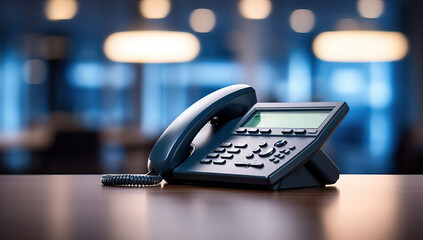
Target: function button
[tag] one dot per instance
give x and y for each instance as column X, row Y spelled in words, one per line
column 227, row 156
column 219, row 150
column 263, row 144
column 281, row 143
column 241, row 145
column 287, row 131
column 219, row 161
column 205, row 161
column 271, row 159
column 256, row 150
column 276, row 161
column 300, row 131
column 265, row 130
column 257, row 165
column 242, row 164
column 282, row 157
column 246, row 164
column 234, row 151
column 226, row 144
column 267, row 152
column 241, row 130
column 252, row 130
column 292, row 148
column 249, row 156
column 312, row 131
column 212, row 155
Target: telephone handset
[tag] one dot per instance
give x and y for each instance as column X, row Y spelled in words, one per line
column 228, row 139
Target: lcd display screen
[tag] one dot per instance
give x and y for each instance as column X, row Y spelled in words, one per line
column 287, row 119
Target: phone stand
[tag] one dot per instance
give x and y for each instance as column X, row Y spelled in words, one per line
column 318, row 171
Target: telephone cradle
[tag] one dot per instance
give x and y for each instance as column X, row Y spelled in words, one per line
column 228, row 139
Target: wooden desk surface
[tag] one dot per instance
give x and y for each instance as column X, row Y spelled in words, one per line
column 79, row 207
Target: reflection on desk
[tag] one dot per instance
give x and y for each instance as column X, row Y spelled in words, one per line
column 79, row 207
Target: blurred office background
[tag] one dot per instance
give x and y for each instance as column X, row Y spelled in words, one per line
column 78, row 95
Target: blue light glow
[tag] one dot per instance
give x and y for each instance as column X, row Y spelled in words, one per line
column 299, row 78
column 380, row 94
column 87, row 74
column 347, row 81
column 10, row 95
column 380, row 140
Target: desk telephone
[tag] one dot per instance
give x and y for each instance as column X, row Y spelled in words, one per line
column 228, row 139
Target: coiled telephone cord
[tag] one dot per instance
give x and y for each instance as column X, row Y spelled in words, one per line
column 131, row 179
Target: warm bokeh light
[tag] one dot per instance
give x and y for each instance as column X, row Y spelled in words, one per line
column 360, row 46
column 202, row 20
column 60, row 9
column 370, row 8
column 255, row 9
column 302, row 20
column 151, row 47
column 154, row 9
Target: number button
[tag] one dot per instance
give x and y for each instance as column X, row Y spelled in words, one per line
column 219, row 161
column 219, row 150
column 234, row 151
column 206, row 161
column 212, row 155
column 226, row 144
column 241, row 145
column 249, row 156
column 257, row 150
column 227, row 156
column 263, row 144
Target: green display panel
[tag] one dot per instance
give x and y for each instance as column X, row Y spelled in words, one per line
column 287, row 119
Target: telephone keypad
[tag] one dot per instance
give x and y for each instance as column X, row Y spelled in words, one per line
column 212, row 155
column 219, row 161
column 228, row 150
